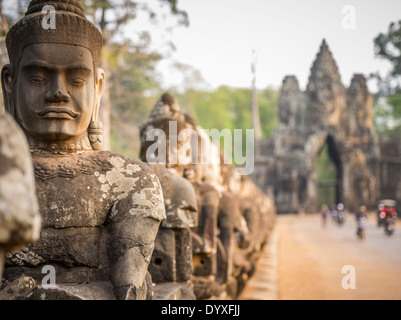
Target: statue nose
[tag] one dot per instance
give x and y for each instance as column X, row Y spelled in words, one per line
column 57, row 96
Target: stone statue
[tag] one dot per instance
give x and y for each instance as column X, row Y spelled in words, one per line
column 171, row 264
column 167, row 117
column 101, row 211
column 220, row 221
column 19, row 211
column 224, row 251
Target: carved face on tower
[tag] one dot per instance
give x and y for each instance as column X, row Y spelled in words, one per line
column 52, row 86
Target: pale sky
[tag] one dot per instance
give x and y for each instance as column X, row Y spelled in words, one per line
column 286, row 35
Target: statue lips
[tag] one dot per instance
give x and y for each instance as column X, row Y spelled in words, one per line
column 53, row 112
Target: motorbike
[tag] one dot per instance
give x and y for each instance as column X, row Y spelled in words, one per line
column 389, row 226
column 340, row 217
column 381, row 218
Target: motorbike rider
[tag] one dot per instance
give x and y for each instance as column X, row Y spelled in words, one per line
column 361, row 217
column 324, row 213
column 361, row 213
column 392, row 212
column 333, row 212
column 381, row 214
column 389, row 220
column 340, row 213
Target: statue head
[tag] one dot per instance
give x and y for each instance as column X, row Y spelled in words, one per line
column 52, row 86
column 175, row 135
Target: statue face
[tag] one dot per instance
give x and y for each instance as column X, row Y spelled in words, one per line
column 55, row 91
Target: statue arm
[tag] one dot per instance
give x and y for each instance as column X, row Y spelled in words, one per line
column 134, row 221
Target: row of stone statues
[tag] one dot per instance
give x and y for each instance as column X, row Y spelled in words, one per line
column 225, row 216
column 80, row 223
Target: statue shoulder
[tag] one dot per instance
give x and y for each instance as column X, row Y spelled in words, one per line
column 179, row 198
column 133, row 183
column 127, row 166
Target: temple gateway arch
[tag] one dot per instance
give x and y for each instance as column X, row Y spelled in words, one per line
column 326, row 116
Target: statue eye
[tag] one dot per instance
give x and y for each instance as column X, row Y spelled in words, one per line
column 77, row 81
column 38, row 79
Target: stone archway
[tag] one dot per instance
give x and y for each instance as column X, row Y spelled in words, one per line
column 333, row 184
column 314, row 146
column 326, row 114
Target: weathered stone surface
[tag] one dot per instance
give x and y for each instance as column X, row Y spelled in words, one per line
column 20, row 288
column 205, row 288
column 166, row 107
column 208, row 202
column 221, row 229
column 204, row 264
column 19, row 211
column 163, row 265
column 101, row 211
column 229, row 221
column 183, row 238
column 69, row 246
column 326, row 96
column 390, row 171
column 290, row 102
column 172, row 291
column 79, row 235
column 64, row 275
column 93, row 291
column 172, row 256
column 179, row 198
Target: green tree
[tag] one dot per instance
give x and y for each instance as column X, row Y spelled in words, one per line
column 134, row 86
column 268, row 111
column 127, row 59
column 112, row 16
column 388, row 110
column 230, row 108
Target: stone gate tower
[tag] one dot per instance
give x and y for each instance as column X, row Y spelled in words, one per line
column 328, row 114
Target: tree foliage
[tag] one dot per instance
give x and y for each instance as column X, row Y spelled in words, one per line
column 230, row 108
column 126, row 57
column 112, row 15
column 388, row 99
column 134, row 84
column 326, row 173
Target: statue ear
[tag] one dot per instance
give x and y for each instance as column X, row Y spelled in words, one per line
column 99, row 89
column 95, row 129
column 6, row 84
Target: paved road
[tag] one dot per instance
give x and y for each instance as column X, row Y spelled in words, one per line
column 307, row 262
